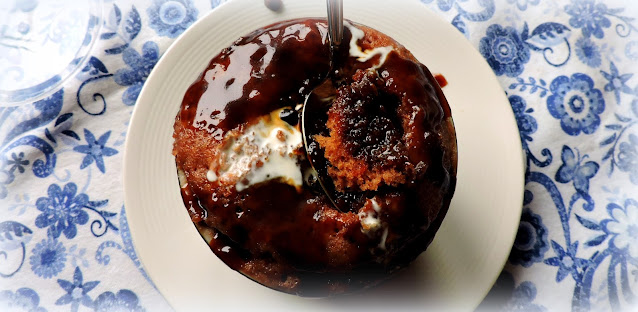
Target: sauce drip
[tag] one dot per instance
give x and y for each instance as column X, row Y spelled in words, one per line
column 440, row 79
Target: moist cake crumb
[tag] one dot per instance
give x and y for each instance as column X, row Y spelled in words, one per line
column 247, row 183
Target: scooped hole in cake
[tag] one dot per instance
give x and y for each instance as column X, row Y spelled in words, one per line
column 365, row 147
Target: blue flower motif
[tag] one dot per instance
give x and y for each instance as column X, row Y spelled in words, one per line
column 567, row 262
column 531, row 242
column 49, row 258
column 76, row 291
column 522, row 4
column 23, row 299
column 95, row 150
column 504, row 50
column 522, row 298
column 588, row 52
column 140, row 67
column 574, row 170
column 617, row 82
column 23, row 28
column 526, row 123
column 576, row 103
column 171, row 17
column 589, row 16
column 623, row 227
column 17, row 162
column 62, row 210
column 628, row 157
column 124, row 300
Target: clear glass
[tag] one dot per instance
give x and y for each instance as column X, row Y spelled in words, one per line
column 43, row 43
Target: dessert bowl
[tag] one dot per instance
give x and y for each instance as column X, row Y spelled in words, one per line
column 469, row 249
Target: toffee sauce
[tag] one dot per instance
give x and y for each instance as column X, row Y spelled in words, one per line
column 276, row 67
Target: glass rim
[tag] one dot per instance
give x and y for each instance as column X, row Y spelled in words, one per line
column 46, row 88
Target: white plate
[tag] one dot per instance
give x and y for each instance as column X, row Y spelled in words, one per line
column 469, row 250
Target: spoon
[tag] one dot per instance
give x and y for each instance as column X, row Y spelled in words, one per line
column 316, row 105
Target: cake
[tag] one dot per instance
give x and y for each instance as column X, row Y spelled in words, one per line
column 388, row 146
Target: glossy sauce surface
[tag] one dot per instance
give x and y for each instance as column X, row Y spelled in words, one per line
column 296, row 232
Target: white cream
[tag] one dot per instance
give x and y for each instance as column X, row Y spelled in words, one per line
column 375, row 205
column 384, row 236
column 363, row 56
column 264, row 151
column 370, row 220
column 211, row 176
column 181, row 176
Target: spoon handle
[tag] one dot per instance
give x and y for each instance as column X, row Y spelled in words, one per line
column 335, row 22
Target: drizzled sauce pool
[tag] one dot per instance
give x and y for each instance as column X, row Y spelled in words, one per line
column 288, row 236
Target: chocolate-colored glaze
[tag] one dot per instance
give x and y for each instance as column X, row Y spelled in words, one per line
column 298, row 232
column 440, row 79
column 258, row 74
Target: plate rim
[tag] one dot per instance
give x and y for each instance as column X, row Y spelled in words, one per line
column 137, row 112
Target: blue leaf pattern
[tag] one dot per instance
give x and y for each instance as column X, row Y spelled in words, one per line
column 549, row 35
column 132, row 25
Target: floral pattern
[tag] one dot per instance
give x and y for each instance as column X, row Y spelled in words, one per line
column 171, row 17
column 62, row 210
column 17, row 162
column 531, row 243
column 48, row 258
column 76, row 291
column 568, row 67
column 95, row 150
column 589, row 16
column 588, row 52
column 566, row 261
column 623, row 227
column 522, row 4
column 628, row 157
column 504, row 50
column 140, row 67
column 526, row 123
column 523, row 298
column 576, row 103
column 617, row 82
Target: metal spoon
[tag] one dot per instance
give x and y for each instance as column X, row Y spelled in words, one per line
column 316, row 105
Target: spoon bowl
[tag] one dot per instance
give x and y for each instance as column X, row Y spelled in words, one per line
column 313, row 114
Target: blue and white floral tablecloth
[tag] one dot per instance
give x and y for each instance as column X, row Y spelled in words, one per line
column 569, row 67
